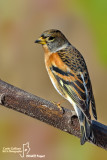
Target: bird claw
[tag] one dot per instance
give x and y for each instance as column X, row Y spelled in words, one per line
column 58, row 105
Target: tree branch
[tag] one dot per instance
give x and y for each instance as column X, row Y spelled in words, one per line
column 36, row 107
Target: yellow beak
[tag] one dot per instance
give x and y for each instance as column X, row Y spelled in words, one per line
column 40, row 41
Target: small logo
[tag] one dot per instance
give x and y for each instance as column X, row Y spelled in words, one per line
column 23, row 152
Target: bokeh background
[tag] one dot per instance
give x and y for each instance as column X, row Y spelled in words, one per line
column 22, row 64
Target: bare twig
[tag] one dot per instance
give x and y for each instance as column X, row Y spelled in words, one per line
column 36, row 107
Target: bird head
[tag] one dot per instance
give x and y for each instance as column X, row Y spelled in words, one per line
column 54, row 39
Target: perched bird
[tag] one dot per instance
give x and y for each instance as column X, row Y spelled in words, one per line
column 69, row 75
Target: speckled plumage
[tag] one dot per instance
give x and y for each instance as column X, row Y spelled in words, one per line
column 72, row 58
column 68, row 72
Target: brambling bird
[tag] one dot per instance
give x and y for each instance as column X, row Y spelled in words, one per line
column 69, row 75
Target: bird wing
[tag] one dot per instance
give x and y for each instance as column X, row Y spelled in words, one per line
column 72, row 86
column 75, row 82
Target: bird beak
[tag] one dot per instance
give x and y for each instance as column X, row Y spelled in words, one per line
column 41, row 40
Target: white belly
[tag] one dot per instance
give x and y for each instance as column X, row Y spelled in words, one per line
column 74, row 105
column 55, row 86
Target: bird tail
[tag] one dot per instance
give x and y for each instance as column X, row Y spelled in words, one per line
column 93, row 107
column 86, row 129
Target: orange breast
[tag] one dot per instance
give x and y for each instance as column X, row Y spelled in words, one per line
column 53, row 59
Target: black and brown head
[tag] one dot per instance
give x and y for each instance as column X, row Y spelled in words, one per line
column 54, row 39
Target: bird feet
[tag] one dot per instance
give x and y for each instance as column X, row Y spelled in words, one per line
column 58, row 104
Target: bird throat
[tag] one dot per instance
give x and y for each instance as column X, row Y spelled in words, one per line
column 47, row 49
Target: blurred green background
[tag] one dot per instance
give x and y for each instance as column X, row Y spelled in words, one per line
column 84, row 23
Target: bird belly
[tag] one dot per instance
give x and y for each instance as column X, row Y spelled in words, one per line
column 55, row 86
column 53, row 59
column 55, row 82
column 74, row 105
column 60, row 91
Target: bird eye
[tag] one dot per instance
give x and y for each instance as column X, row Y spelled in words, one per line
column 51, row 38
